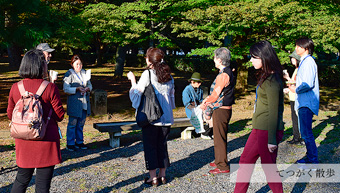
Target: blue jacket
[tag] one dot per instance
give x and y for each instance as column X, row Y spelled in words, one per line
column 189, row 95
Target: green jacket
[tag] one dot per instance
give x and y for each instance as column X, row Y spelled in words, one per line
column 269, row 108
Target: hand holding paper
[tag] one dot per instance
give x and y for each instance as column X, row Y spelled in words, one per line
column 88, row 75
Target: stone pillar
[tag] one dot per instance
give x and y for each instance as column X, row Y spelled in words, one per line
column 99, row 102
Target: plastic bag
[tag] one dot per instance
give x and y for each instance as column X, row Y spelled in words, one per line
column 197, row 119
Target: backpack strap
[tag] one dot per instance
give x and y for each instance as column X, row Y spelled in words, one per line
column 42, row 88
column 48, row 118
column 21, row 88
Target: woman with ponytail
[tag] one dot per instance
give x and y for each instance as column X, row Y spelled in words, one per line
column 155, row 135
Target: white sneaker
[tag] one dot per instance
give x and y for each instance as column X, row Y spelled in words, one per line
column 205, row 137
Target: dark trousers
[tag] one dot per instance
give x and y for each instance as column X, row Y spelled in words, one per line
column 295, row 120
column 305, row 124
column 43, row 179
column 221, row 118
column 257, row 146
column 155, row 146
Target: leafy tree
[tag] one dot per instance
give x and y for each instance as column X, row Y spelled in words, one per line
column 246, row 22
column 279, row 21
column 24, row 24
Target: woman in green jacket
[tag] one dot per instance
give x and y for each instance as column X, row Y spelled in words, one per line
column 267, row 119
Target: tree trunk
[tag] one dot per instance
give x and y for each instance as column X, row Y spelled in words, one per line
column 99, row 49
column 120, row 59
column 14, row 56
column 241, row 81
column 100, row 54
column 132, row 58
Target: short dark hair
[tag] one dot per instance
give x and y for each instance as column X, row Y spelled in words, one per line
column 306, row 43
column 33, row 65
column 224, row 55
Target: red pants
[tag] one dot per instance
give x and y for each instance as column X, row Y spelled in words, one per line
column 257, row 146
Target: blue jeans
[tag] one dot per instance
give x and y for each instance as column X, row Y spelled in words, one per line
column 305, row 125
column 75, row 127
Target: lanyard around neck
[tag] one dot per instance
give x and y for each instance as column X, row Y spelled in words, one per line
column 81, row 80
column 256, row 93
column 303, row 60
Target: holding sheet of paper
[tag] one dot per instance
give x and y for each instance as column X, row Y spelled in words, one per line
column 53, row 75
column 88, row 75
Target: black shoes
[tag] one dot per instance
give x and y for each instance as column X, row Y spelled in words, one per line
column 296, row 142
column 76, row 147
column 71, row 148
column 208, row 131
column 81, row 146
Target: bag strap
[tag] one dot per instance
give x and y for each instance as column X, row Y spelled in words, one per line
column 21, row 88
column 48, row 118
column 149, row 76
column 42, row 88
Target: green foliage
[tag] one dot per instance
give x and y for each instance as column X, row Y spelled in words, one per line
column 25, row 23
column 329, row 74
column 281, row 22
column 193, row 64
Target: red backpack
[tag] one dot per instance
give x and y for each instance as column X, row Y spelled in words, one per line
column 27, row 117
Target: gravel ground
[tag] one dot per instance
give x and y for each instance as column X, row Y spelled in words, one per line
column 103, row 169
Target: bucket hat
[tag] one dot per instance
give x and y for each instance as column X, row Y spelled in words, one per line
column 295, row 55
column 196, row 76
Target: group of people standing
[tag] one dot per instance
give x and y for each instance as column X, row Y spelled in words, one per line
column 268, row 126
column 267, row 117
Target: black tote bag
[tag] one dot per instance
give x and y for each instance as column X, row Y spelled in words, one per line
column 149, row 109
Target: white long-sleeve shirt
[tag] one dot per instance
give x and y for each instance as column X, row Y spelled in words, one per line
column 165, row 93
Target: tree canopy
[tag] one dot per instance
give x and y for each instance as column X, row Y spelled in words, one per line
column 196, row 26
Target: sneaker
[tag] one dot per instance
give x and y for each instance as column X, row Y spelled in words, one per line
column 71, row 148
column 81, row 146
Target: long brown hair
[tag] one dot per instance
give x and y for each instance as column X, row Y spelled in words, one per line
column 156, row 57
column 270, row 62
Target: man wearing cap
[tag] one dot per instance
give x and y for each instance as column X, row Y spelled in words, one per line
column 221, row 98
column 47, row 53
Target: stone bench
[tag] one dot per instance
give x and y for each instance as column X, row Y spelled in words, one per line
column 115, row 129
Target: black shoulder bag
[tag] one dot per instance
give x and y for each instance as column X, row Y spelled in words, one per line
column 149, row 109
